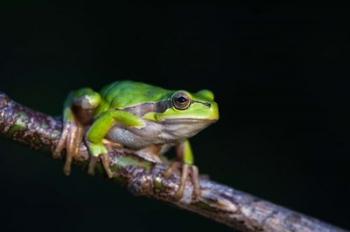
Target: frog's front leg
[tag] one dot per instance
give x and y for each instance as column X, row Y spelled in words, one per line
column 185, row 155
column 78, row 112
column 99, row 130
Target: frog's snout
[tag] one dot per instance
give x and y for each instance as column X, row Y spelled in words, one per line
column 214, row 111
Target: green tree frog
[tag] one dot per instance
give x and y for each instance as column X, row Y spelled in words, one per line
column 144, row 118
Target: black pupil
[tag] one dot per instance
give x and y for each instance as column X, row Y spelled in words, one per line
column 181, row 99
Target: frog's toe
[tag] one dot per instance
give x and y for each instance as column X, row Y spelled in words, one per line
column 172, row 168
column 112, row 145
column 195, row 182
column 106, row 162
column 186, row 171
column 104, row 158
column 70, row 150
column 71, row 138
column 98, row 152
column 184, row 174
column 92, row 165
column 57, row 152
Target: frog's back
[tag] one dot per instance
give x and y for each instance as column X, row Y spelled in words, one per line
column 122, row 94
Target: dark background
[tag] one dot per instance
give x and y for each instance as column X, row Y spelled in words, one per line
column 280, row 74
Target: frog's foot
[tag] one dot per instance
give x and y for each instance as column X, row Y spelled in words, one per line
column 99, row 152
column 186, row 171
column 71, row 138
column 105, row 163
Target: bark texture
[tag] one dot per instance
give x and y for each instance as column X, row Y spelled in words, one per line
column 226, row 205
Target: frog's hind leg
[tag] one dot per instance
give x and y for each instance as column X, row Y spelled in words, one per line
column 78, row 113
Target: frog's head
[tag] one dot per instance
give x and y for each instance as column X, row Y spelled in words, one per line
column 184, row 114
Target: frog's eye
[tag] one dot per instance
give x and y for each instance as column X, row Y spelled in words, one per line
column 181, row 100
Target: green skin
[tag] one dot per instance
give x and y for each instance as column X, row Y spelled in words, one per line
column 137, row 116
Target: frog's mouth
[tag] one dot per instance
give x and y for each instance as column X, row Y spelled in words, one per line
column 189, row 121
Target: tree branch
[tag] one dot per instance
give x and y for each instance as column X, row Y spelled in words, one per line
column 234, row 208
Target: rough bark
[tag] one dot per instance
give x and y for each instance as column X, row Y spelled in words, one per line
column 226, row 205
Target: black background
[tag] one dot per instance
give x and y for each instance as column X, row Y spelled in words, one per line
column 280, row 74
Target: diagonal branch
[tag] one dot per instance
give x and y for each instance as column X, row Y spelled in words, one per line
column 234, row 208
